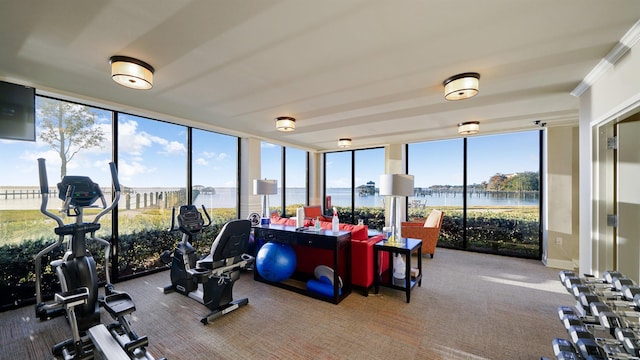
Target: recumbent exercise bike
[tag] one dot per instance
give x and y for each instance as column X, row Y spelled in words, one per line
column 76, row 272
column 208, row 280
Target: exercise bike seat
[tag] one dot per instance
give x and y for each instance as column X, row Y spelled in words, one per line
column 231, row 243
column 119, row 304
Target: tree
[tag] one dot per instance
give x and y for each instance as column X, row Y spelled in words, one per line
column 68, row 128
column 496, row 181
column 526, row 181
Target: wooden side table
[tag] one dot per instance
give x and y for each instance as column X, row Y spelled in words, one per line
column 406, row 247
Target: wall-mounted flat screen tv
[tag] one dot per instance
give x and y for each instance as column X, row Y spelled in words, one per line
column 17, row 112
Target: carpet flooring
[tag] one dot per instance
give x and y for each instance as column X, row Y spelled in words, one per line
column 470, row 306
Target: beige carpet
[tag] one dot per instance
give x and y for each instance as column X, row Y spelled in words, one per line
column 470, row 306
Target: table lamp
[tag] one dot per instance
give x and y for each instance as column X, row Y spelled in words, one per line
column 395, row 185
column 265, row 188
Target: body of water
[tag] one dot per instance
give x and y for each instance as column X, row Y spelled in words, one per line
column 226, row 197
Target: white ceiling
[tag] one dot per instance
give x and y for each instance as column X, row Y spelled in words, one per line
column 371, row 70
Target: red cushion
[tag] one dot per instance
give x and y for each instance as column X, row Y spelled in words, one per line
column 288, row 221
column 358, row 232
column 278, row 220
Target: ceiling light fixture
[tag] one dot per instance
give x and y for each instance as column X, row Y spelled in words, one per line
column 132, row 73
column 285, row 123
column 461, row 86
column 469, row 128
column 344, row 143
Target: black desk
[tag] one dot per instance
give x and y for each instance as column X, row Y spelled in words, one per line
column 405, row 248
column 339, row 243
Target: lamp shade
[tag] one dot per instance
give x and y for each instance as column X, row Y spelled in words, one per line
column 265, row 187
column 469, row 128
column 132, row 73
column 461, row 86
column 396, row 184
column 285, row 123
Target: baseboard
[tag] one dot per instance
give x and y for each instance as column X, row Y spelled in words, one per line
column 560, row 264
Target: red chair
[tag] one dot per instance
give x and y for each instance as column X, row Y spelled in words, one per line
column 315, row 211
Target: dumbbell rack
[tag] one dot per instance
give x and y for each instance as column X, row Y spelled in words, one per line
column 604, row 323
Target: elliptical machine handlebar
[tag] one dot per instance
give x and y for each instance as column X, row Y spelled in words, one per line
column 44, row 191
column 116, row 194
column 207, row 214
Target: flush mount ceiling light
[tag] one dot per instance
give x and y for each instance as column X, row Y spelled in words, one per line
column 461, row 86
column 469, row 128
column 285, row 123
column 344, row 143
column 132, row 73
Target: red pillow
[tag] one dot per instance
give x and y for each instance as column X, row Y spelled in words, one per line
column 279, row 220
column 358, row 232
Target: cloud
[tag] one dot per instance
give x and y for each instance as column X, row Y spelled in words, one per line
column 202, row 162
column 134, row 142
column 129, row 140
column 128, row 171
column 214, row 155
column 175, row 147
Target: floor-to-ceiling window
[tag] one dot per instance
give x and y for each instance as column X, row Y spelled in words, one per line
column 152, row 160
column 271, row 168
column 295, row 176
column 73, row 139
column 368, row 204
column 351, row 186
column 339, row 183
column 152, row 164
column 215, row 174
column 437, row 167
column 503, row 193
column 496, row 207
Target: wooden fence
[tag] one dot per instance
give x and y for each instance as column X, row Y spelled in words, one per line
column 130, row 200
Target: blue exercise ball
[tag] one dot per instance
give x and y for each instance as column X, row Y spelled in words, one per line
column 276, row 262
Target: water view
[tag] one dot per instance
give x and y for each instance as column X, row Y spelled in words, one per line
column 226, row 197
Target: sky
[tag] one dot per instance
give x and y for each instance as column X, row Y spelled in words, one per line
column 153, row 154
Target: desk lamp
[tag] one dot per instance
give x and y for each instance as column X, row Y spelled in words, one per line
column 265, row 188
column 395, row 185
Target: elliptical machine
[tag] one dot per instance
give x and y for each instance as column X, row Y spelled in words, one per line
column 208, row 280
column 76, row 271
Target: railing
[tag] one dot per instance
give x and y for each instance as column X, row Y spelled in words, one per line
column 12, row 194
column 27, row 198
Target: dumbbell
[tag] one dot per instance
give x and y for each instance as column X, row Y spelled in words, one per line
column 563, row 349
column 608, row 276
column 586, row 343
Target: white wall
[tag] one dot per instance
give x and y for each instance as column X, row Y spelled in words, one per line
column 613, row 97
column 249, row 170
column 561, row 240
